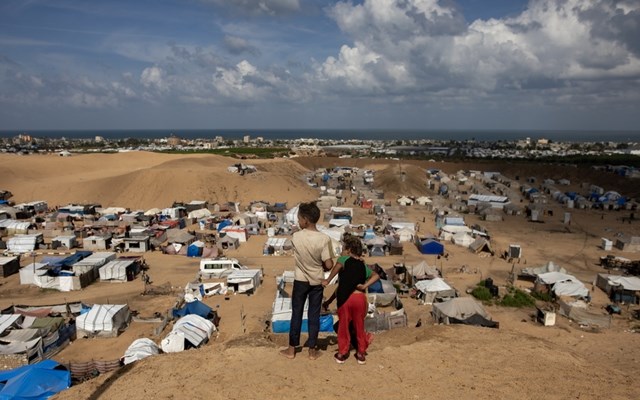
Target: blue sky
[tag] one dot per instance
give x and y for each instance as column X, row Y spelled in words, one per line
column 320, row 64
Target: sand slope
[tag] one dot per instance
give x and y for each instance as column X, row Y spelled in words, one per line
column 520, row 360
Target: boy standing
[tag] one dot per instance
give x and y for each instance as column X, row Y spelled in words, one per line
column 313, row 255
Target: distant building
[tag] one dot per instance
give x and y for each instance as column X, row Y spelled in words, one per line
column 246, row 139
column 173, row 140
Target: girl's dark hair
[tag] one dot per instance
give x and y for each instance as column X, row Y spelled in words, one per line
column 309, row 211
column 353, row 244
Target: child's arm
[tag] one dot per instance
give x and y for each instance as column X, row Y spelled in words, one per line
column 334, row 271
column 330, row 300
column 372, row 279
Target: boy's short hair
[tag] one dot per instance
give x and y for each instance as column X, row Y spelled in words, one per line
column 309, row 211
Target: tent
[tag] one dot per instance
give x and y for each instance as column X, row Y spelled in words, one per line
column 105, row 320
column 194, row 307
column 189, row 331
column 36, row 381
column 281, row 309
column 228, row 243
column 561, row 284
column 140, row 349
column 430, row 246
column 462, row 239
column 195, row 249
column 481, row 245
column 619, row 288
column 119, row 270
column 423, row 270
column 434, row 289
column 462, row 310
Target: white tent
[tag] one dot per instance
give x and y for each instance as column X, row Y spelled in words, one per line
column 447, row 231
column 153, row 211
column 462, row 239
column 201, row 213
column 139, row 349
column 292, row 216
column 103, row 320
column 435, row 288
column 116, row 270
column 191, row 328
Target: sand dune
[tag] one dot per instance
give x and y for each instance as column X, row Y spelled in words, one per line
column 521, row 360
column 141, row 180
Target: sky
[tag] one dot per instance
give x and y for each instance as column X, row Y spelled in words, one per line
column 320, row 64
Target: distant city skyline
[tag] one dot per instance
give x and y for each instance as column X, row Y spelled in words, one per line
column 296, row 64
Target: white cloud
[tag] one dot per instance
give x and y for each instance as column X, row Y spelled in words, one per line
column 420, row 46
column 151, row 77
column 259, row 7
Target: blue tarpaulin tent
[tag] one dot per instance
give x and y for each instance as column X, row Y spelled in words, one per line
column 195, row 307
column 36, row 381
column 223, row 224
column 430, row 246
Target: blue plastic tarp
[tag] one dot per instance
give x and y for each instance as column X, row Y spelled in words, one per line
column 224, row 224
column 326, row 325
column 195, row 307
column 431, row 247
column 37, row 381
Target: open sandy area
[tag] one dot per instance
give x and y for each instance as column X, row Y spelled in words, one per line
column 522, row 359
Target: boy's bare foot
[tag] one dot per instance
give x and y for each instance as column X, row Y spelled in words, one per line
column 314, row 354
column 289, row 352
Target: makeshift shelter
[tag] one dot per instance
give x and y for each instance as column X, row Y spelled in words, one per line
column 244, row 281
column 436, row 289
column 481, row 245
column 9, row 266
column 140, row 349
column 462, row 239
column 578, row 311
column 620, row 289
column 20, row 244
column 385, row 294
column 103, row 320
column 36, row 381
column 195, row 307
column 447, row 231
column 430, row 246
column 237, row 232
column 195, row 249
column 561, row 285
column 281, row 309
column 462, row 310
column 423, row 271
column 190, row 331
column 531, row 274
column 120, row 270
column 228, row 243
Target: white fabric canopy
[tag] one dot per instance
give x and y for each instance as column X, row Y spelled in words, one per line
column 550, row 278
column 139, row 349
column 627, row 282
column 432, row 285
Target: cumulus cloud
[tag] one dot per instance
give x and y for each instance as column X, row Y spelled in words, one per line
column 423, row 46
column 259, row 7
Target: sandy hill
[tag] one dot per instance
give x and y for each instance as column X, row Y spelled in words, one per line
column 141, row 180
column 522, row 359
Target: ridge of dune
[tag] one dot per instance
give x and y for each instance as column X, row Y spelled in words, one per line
column 140, row 180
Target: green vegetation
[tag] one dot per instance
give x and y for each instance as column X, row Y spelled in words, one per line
column 541, row 296
column 481, row 292
column 517, row 298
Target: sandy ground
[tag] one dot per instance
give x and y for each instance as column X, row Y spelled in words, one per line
column 522, row 359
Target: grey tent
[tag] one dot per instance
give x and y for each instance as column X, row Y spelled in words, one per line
column 462, row 310
column 479, row 245
column 228, row 243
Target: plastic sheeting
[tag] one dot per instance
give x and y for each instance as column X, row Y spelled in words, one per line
column 37, row 381
column 190, row 328
column 140, row 349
